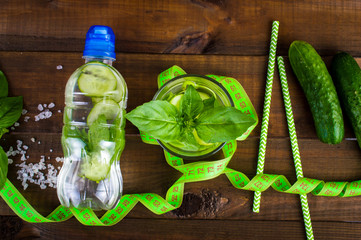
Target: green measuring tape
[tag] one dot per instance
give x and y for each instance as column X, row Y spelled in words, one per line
column 192, row 172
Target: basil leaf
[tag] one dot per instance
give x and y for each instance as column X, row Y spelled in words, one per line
column 160, row 119
column 3, row 131
column 191, row 104
column 98, row 132
column 209, row 103
column 4, row 88
column 222, row 124
column 10, row 110
column 188, row 141
column 3, row 167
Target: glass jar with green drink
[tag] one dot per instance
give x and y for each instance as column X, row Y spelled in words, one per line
column 191, row 116
column 211, row 92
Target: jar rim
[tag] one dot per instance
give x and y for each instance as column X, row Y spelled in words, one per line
column 195, row 75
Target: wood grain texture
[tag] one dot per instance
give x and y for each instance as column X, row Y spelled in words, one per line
column 190, row 229
column 193, row 26
column 41, row 44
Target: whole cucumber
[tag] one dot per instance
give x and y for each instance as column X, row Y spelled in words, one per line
column 320, row 91
column 346, row 75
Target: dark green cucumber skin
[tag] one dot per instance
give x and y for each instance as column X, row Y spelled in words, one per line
column 320, row 91
column 346, row 75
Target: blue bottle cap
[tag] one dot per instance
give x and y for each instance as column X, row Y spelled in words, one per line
column 99, row 42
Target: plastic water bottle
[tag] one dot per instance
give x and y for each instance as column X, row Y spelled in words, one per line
column 93, row 131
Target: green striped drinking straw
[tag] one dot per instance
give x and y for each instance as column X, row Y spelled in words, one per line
column 266, row 111
column 294, row 145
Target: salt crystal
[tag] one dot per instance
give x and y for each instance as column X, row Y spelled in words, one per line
column 48, row 114
column 39, row 142
column 32, row 139
column 51, row 105
column 43, row 115
column 51, row 150
column 59, row 111
column 24, row 111
column 26, row 119
column 12, row 128
column 59, row 67
column 25, row 147
column 23, row 158
column 40, row 107
column 45, row 105
column 16, row 124
column 10, row 161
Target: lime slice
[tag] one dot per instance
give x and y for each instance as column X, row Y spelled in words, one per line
column 96, row 80
column 176, row 100
column 109, row 108
column 203, row 95
column 199, row 140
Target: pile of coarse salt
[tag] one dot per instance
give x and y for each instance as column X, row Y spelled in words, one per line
column 40, row 173
column 44, row 111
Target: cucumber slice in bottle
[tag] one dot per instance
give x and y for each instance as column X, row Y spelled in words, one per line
column 96, row 80
column 94, row 168
column 109, row 108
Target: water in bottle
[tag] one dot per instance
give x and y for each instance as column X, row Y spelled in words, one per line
column 93, row 131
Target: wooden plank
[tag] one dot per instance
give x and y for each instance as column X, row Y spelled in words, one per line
column 35, row 76
column 186, row 229
column 197, row 26
column 320, row 161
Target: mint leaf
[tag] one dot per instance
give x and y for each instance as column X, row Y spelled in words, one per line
column 222, row 124
column 10, row 110
column 191, row 104
column 4, row 88
column 3, row 167
column 117, row 135
column 3, row 131
column 160, row 119
column 98, row 131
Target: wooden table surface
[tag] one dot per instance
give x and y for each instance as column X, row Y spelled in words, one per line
column 41, row 44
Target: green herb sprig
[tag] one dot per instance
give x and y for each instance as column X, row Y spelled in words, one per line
column 10, row 112
column 195, row 119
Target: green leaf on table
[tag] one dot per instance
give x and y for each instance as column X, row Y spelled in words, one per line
column 4, row 88
column 3, row 167
column 10, row 110
column 98, row 131
column 160, row 119
column 222, row 124
column 191, row 104
column 3, row 131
